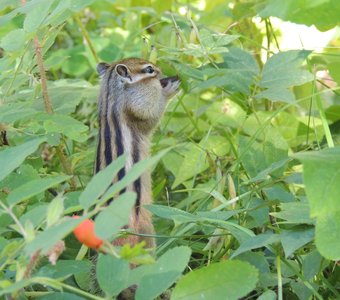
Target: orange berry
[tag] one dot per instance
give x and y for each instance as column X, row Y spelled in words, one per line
column 84, row 233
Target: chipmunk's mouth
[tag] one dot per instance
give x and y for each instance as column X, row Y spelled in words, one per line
column 165, row 81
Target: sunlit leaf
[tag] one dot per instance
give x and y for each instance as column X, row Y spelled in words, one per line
column 229, row 280
column 321, row 177
column 100, row 182
column 33, row 188
column 11, row 158
column 115, row 216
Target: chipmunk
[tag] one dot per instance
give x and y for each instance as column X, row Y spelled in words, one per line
column 132, row 100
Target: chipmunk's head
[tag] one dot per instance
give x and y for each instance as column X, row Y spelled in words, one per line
column 138, row 88
column 138, row 75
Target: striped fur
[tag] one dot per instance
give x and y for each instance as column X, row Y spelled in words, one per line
column 131, row 103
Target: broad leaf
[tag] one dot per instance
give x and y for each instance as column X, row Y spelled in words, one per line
column 34, row 187
column 115, row 216
column 294, row 212
column 36, row 16
column 229, row 280
column 153, row 279
column 283, row 70
column 11, row 158
column 55, row 210
column 294, row 239
column 277, row 94
column 46, row 239
column 261, row 240
column 321, row 176
column 100, row 182
column 112, row 274
column 136, row 170
column 64, row 268
column 14, row 40
column 324, row 14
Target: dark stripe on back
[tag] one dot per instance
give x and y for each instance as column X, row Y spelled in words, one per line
column 136, row 158
column 98, row 155
column 119, row 144
column 107, row 133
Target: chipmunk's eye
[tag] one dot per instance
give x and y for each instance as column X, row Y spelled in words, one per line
column 149, row 70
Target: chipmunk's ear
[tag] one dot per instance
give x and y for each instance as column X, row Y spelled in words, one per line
column 101, row 69
column 124, row 72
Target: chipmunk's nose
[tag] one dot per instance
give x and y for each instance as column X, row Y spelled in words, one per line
column 165, row 81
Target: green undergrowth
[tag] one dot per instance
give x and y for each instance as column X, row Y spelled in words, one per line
column 245, row 161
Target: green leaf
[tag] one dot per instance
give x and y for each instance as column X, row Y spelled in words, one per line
column 277, row 94
column 268, row 295
column 324, row 14
column 261, row 240
column 33, row 280
column 263, row 157
column 112, row 274
column 36, row 16
column 294, row 239
column 194, row 162
column 115, row 216
column 55, row 210
column 302, row 291
column 16, row 111
column 11, row 158
column 77, row 5
column 66, row 125
column 76, row 64
column 153, row 279
column 321, row 176
column 46, row 239
column 237, row 73
column 229, row 280
column 294, row 212
column 136, row 170
column 327, row 234
column 172, row 213
column 226, row 113
column 35, row 215
column 61, row 296
column 100, row 182
column 283, row 70
column 312, row 264
column 257, row 259
column 64, row 268
column 14, row 40
column 34, row 187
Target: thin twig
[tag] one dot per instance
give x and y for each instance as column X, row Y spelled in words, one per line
column 43, row 80
column 32, row 263
column 49, row 109
column 279, row 278
column 9, row 211
column 87, row 38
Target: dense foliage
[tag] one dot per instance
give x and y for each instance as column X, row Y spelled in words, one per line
column 246, row 159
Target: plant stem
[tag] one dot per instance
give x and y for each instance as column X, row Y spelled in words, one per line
column 15, row 219
column 87, row 38
column 43, row 80
column 323, row 118
column 60, row 285
column 80, row 292
column 48, row 105
column 49, row 109
column 279, row 277
column 32, row 263
column 66, row 166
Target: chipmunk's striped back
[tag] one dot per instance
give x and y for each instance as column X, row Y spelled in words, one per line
column 131, row 102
